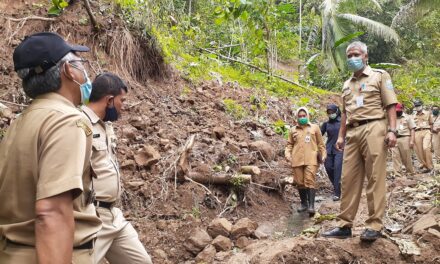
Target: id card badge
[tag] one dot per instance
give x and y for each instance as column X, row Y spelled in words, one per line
column 359, row 101
column 307, row 139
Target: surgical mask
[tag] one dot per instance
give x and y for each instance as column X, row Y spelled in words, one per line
column 419, row 108
column 355, row 64
column 85, row 88
column 399, row 113
column 435, row 112
column 303, row 120
column 333, row 116
column 111, row 114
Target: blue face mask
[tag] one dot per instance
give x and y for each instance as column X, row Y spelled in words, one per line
column 85, row 88
column 355, row 64
column 111, row 114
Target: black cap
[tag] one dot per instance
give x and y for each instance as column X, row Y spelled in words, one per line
column 418, row 102
column 41, row 51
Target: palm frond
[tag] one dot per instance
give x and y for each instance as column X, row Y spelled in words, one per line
column 414, row 10
column 372, row 26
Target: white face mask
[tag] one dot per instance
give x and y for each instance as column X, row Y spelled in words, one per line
column 419, row 108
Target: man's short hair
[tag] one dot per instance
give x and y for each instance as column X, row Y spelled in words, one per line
column 107, row 84
column 358, row 44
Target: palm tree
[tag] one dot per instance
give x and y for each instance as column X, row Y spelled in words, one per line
column 337, row 24
column 414, row 11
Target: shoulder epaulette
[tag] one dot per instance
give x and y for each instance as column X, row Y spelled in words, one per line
column 378, row 70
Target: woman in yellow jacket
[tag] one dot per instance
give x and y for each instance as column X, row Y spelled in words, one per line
column 305, row 151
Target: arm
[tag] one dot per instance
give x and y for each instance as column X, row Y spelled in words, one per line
column 324, row 128
column 54, row 228
column 321, row 147
column 289, row 147
column 391, row 137
column 412, row 138
column 342, row 130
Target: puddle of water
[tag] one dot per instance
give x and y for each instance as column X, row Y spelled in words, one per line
column 297, row 222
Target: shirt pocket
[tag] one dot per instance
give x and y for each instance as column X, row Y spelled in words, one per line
column 99, row 145
column 370, row 92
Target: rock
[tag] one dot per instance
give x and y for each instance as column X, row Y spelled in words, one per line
column 161, row 225
column 243, row 145
column 243, row 227
column 164, row 142
column 160, row 254
column 147, row 157
column 218, row 132
column 197, row 241
column 268, row 132
column 263, row 231
column 5, row 111
column 222, row 243
column 243, row 242
column 264, row 148
column 128, row 165
column 134, row 185
column 129, row 132
column 434, row 232
column 221, row 256
column 424, row 222
column 219, row 226
column 207, row 255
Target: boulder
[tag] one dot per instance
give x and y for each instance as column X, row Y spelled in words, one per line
column 129, row 132
column 424, row 222
column 222, row 243
column 207, row 255
column 147, row 156
column 243, row 242
column 197, row 241
column 243, row 227
column 218, row 132
column 266, row 150
column 128, row 165
column 219, row 226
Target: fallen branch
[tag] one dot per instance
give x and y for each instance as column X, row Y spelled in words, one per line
column 12, row 103
column 29, row 18
column 254, row 67
column 224, row 179
column 263, row 186
column 92, row 17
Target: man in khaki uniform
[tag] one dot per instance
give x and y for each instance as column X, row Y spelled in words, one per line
column 118, row 241
column 368, row 98
column 436, row 132
column 405, row 142
column 46, row 214
column 305, row 150
column 423, row 120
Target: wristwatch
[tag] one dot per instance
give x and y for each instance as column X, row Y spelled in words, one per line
column 393, row 130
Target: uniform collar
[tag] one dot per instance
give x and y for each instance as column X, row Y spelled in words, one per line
column 57, row 97
column 90, row 114
column 366, row 72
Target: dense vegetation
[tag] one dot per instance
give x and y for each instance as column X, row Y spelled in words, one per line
column 294, row 47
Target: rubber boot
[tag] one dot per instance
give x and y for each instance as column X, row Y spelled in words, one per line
column 303, row 197
column 311, row 207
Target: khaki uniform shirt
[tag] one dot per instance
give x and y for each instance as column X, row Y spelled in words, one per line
column 423, row 120
column 367, row 96
column 404, row 125
column 436, row 121
column 104, row 164
column 303, row 145
column 45, row 152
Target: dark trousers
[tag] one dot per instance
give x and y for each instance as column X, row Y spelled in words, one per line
column 333, row 166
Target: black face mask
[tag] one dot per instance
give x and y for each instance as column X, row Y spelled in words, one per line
column 399, row 113
column 111, row 114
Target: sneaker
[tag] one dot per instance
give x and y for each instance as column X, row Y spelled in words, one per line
column 370, row 235
column 338, row 232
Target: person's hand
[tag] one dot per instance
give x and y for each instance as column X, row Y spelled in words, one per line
column 390, row 140
column 411, row 144
column 340, row 144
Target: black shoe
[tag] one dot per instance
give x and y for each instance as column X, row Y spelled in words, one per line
column 336, row 198
column 311, row 208
column 426, row 171
column 338, row 232
column 304, row 204
column 370, row 235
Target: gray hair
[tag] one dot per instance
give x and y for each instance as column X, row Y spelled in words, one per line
column 358, row 44
column 49, row 81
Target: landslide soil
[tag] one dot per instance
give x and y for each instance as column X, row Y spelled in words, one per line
column 163, row 110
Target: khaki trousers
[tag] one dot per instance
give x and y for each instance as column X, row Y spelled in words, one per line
column 402, row 155
column 13, row 254
column 118, row 241
column 305, row 176
column 436, row 145
column 364, row 156
column 422, row 145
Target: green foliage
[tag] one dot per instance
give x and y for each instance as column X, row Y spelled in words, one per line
column 281, row 128
column 195, row 211
column 57, row 7
column 235, row 109
column 258, row 102
column 237, row 182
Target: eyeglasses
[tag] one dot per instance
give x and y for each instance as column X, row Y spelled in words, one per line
column 85, row 63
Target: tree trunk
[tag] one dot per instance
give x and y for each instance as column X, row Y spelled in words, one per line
column 224, row 179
